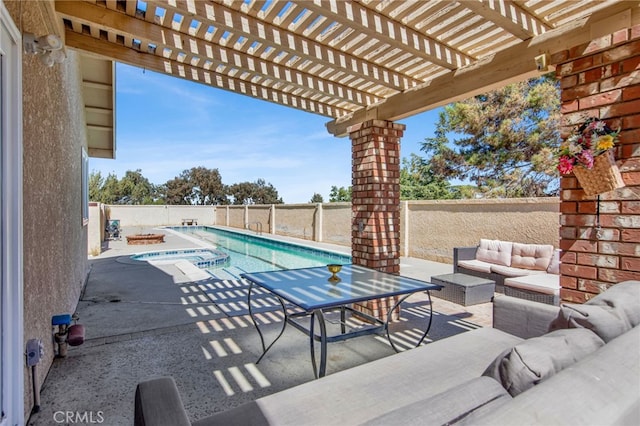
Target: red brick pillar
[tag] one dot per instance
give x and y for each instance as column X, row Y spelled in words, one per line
column 375, row 198
column 599, row 79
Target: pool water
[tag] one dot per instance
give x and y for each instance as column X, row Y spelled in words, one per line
column 248, row 253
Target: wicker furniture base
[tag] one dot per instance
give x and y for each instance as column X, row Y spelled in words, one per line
column 549, row 299
column 464, row 289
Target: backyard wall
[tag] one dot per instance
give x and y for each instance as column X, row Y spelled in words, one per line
column 55, row 238
column 600, row 79
column 429, row 229
column 149, row 216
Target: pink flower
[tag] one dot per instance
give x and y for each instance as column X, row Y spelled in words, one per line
column 565, row 165
column 586, row 158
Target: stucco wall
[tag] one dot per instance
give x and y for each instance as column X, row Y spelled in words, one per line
column 146, row 216
column 296, row 220
column 55, row 239
column 428, row 229
column 433, row 228
column 336, row 223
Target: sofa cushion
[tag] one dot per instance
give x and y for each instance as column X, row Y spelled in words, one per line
column 554, row 265
column 449, row 406
column 476, row 265
column 541, row 283
column 539, row 358
column 601, row 389
column 531, row 256
column 362, row 393
column 609, row 314
column 510, row 271
column 495, row 251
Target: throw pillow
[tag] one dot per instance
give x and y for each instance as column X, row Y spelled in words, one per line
column 609, row 314
column 495, row 251
column 531, row 256
column 539, row 358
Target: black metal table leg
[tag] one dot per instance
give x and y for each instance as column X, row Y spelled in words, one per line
column 255, row 323
column 395, row 306
column 322, row 369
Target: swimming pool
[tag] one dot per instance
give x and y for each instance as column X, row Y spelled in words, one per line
column 248, row 253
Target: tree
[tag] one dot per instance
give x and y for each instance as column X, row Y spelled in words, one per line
column 95, row 186
column 136, row 189
column 507, row 140
column 339, row 194
column 317, row 198
column 258, row 192
column 419, row 182
column 198, row 185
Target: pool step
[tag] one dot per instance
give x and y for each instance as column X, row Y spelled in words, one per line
column 227, row 273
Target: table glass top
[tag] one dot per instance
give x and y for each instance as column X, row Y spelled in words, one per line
column 310, row 288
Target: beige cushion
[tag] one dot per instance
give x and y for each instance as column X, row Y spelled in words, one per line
column 531, row 256
column 554, row 265
column 476, row 265
column 541, row 283
column 539, row 358
column 495, row 251
column 510, row 271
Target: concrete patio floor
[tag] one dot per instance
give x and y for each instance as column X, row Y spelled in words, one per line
column 145, row 321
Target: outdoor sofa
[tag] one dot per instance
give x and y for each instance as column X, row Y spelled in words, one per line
column 540, row 364
column 529, row 271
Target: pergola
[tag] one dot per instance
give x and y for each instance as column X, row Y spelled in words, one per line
column 365, row 64
column 347, row 60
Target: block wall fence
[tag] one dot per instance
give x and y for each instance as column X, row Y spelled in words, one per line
column 601, row 79
column 427, row 229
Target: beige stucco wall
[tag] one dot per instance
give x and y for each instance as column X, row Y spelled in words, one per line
column 336, row 223
column 296, row 220
column 433, row 228
column 429, row 229
column 55, row 238
column 146, row 216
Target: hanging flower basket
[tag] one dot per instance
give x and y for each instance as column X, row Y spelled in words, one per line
column 603, row 177
column 588, row 153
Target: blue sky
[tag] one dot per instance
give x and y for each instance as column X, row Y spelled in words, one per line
column 165, row 125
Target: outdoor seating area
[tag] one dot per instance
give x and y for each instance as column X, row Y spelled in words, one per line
column 520, row 270
column 587, row 358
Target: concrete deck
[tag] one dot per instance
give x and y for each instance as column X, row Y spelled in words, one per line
column 145, row 321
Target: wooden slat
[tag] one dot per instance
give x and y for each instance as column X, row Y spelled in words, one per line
column 291, row 42
column 390, row 32
column 155, row 63
column 177, row 42
column 510, row 65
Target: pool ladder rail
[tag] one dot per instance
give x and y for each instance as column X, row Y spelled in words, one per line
column 258, row 227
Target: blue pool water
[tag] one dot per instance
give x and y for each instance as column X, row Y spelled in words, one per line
column 248, row 253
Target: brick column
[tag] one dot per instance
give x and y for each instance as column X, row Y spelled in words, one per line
column 375, row 198
column 599, row 79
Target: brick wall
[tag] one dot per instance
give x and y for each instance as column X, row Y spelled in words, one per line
column 601, row 79
column 376, row 195
column 375, row 201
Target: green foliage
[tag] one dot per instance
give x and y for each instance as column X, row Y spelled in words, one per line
column 317, row 198
column 133, row 188
column 505, row 142
column 419, row 182
column 339, row 194
column 258, row 192
column 197, row 186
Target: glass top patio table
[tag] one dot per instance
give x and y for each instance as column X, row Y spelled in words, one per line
column 310, row 288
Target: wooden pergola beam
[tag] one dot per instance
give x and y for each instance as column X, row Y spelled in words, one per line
column 513, row 64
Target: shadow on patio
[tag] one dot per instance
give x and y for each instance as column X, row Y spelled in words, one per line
column 145, row 321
